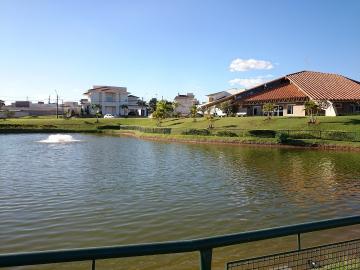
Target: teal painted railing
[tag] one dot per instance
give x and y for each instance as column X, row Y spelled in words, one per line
column 204, row 246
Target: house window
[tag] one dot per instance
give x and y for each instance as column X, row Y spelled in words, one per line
column 338, row 105
column 110, row 97
column 290, row 109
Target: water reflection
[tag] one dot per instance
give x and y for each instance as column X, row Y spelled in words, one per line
column 111, row 191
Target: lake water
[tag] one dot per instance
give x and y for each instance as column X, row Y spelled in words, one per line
column 101, row 191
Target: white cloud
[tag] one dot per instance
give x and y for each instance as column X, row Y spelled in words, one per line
column 249, row 64
column 250, row 82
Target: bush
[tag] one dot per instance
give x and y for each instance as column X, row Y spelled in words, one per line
column 226, row 133
column 204, row 132
column 281, row 137
column 262, row 133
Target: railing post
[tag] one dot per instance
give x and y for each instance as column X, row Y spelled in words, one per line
column 93, row 265
column 299, row 241
column 205, row 259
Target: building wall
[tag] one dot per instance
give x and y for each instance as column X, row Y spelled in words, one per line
column 256, row 109
column 298, row 110
column 111, row 101
column 185, row 103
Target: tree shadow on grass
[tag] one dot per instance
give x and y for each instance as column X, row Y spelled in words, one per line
column 352, row 122
column 174, row 124
column 230, row 126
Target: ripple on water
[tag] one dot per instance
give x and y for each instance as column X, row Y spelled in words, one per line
column 119, row 190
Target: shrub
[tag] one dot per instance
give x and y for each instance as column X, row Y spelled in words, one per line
column 204, row 132
column 281, row 137
column 263, row 133
column 226, row 133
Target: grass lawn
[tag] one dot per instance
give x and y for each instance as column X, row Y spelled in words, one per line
column 343, row 123
column 179, row 125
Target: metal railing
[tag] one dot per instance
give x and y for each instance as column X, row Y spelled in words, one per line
column 204, row 246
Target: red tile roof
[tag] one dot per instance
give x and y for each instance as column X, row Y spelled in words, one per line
column 326, row 86
column 284, row 92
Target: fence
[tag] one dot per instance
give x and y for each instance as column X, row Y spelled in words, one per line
column 204, row 246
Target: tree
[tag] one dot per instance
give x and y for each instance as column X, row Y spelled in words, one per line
column 125, row 109
column 269, row 108
column 210, row 118
column 312, row 110
column 2, row 103
column 193, row 112
column 8, row 114
column 226, row 107
column 174, row 106
column 152, row 105
column 161, row 112
column 97, row 109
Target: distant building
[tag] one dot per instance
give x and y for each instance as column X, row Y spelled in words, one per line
column 112, row 99
column 222, row 94
column 185, row 102
column 27, row 108
column 218, row 96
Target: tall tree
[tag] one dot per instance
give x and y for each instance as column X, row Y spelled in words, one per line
column 152, row 105
column 193, row 112
column 97, row 109
column 2, row 103
column 125, row 109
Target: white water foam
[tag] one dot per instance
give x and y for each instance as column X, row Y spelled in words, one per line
column 59, row 138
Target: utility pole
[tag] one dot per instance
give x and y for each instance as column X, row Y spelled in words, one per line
column 142, row 107
column 62, row 105
column 57, row 104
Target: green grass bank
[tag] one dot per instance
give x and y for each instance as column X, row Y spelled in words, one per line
column 341, row 131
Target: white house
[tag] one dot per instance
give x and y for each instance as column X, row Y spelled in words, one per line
column 112, row 99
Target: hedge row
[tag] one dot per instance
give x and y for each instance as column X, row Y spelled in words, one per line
column 147, row 129
column 280, row 135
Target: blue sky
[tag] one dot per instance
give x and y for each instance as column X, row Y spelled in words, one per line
column 159, row 48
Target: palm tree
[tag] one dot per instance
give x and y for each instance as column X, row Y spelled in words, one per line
column 125, row 108
column 97, row 109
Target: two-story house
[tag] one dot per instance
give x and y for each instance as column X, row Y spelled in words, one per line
column 184, row 103
column 112, row 99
